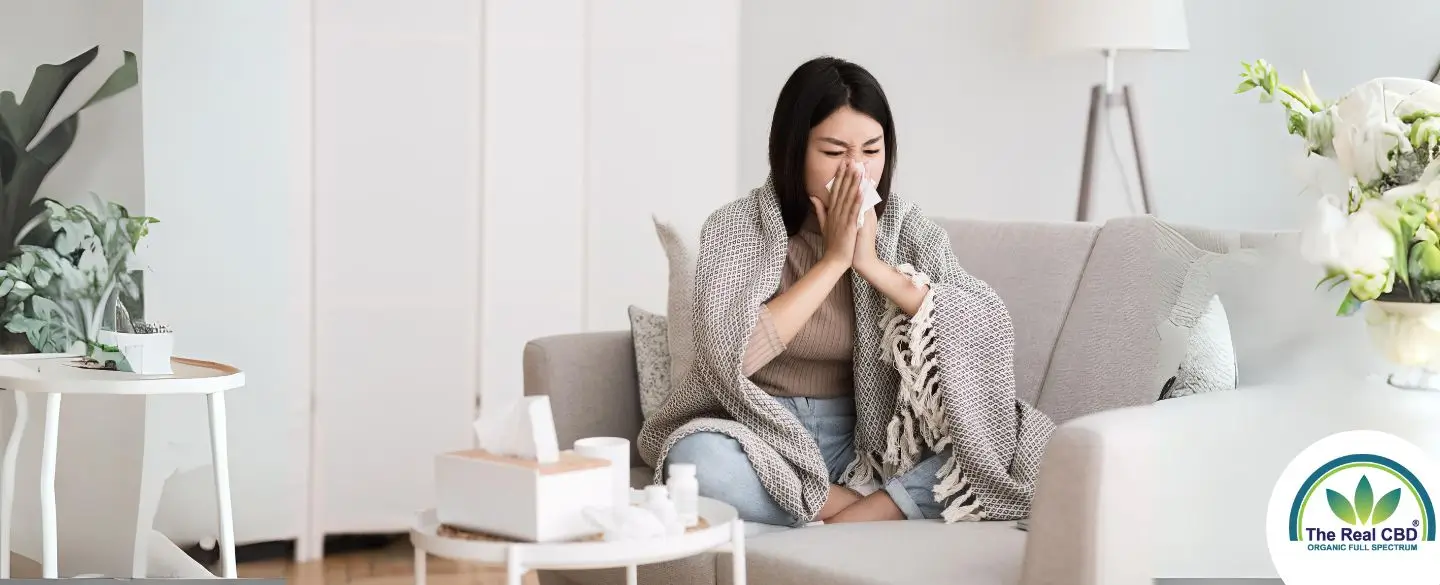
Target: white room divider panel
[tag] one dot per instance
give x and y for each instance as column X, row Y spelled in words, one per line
column 225, row 142
column 481, row 173
column 397, row 203
column 598, row 114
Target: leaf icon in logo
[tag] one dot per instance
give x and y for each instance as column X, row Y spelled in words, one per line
column 1340, row 506
column 1364, row 500
column 1386, row 506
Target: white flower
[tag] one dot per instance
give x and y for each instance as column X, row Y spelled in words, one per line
column 1412, row 96
column 1355, row 244
column 1368, row 134
column 1320, row 133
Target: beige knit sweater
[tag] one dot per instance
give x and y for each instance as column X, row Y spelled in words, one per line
column 819, row 361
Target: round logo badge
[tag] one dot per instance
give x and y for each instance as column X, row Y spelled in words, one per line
column 1355, row 507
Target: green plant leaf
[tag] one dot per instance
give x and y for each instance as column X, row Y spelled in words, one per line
column 25, row 119
column 124, row 77
column 1385, row 507
column 1349, row 306
column 1364, row 500
column 1333, row 278
column 1341, row 507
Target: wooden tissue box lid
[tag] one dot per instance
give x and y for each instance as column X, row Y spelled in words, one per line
column 569, row 461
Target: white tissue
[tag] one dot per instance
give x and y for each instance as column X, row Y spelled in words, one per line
column 522, row 427
column 626, row 523
column 869, row 197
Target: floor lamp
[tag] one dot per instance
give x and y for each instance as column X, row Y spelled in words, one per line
column 1109, row 27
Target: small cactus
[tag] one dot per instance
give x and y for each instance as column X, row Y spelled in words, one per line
column 144, row 328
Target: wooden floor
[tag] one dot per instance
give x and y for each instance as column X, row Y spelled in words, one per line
column 390, row 566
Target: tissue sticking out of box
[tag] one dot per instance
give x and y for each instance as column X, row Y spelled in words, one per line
column 522, row 427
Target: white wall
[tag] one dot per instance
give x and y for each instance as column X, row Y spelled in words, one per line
column 597, row 115
column 397, row 209
column 1225, row 160
column 990, row 130
column 106, row 157
column 986, row 128
column 227, row 152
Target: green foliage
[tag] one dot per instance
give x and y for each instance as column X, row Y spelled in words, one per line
column 57, row 294
column 26, row 157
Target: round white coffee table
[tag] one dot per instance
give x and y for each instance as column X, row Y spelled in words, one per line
column 725, row 529
column 55, row 376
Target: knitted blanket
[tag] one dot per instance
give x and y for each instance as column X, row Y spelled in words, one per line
column 941, row 378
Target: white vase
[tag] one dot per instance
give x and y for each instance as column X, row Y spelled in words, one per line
column 1408, row 336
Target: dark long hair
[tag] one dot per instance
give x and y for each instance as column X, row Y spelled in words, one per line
column 814, row 91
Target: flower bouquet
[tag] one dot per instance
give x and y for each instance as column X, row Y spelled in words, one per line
column 1381, row 238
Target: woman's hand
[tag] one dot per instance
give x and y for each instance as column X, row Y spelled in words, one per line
column 839, row 215
column 884, row 277
column 865, row 257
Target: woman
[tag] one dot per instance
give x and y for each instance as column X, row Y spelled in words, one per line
column 846, row 369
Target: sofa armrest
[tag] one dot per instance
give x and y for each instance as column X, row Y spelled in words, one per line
column 590, row 379
column 1089, row 523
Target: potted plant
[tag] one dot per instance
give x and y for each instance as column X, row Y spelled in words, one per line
column 1381, row 238
column 27, row 156
column 134, row 345
column 59, row 294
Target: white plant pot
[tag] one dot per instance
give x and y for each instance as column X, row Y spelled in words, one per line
column 147, row 353
column 1408, row 336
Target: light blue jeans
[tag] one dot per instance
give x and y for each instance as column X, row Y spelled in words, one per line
column 724, row 472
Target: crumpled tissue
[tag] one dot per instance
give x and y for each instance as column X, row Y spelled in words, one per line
column 522, row 427
column 869, row 196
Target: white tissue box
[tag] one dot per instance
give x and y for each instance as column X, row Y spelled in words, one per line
column 520, row 499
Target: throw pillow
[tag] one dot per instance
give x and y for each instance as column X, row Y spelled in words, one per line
column 1209, row 363
column 652, row 358
column 681, row 243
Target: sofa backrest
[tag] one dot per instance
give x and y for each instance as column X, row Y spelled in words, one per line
column 1121, row 333
column 1035, row 267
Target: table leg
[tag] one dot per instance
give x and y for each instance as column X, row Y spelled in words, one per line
column 737, row 552
column 7, row 479
column 419, row 566
column 50, row 546
column 632, row 575
column 219, row 451
column 514, row 571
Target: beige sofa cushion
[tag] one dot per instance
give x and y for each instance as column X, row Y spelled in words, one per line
column 1145, row 286
column 1034, row 267
column 884, row 553
column 681, row 241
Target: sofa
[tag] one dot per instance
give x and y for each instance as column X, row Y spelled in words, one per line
column 1092, row 307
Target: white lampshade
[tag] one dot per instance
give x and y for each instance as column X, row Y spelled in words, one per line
column 1094, row 25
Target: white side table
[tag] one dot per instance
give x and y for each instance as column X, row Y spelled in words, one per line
column 725, row 531
column 56, row 376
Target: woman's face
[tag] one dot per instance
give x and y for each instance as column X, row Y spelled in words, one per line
column 847, row 135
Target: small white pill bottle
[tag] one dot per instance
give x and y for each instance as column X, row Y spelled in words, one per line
column 685, row 492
